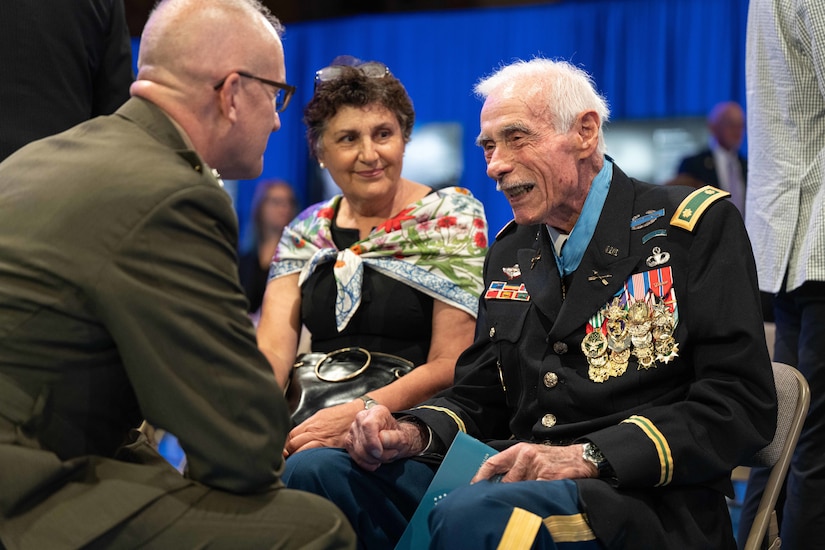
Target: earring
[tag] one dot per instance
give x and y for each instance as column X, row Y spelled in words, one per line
column 321, row 165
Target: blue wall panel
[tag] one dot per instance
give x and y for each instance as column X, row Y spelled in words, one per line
column 650, row 58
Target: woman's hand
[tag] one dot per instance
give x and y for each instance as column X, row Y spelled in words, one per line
column 326, row 428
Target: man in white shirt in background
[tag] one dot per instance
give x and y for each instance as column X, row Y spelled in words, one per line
column 785, row 91
column 720, row 165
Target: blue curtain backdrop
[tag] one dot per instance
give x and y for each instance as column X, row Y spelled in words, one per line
column 650, row 58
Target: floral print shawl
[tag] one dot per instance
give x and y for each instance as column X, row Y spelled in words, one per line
column 435, row 245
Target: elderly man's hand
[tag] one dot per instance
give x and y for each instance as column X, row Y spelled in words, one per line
column 530, row 461
column 377, row 437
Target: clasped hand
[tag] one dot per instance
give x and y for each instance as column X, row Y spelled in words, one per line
column 377, row 437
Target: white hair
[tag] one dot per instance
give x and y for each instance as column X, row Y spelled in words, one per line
column 567, row 90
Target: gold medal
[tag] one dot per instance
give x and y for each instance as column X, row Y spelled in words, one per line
column 666, row 349
column 642, row 327
column 616, row 368
column 662, row 332
column 597, row 374
column 663, row 321
column 599, row 361
column 614, row 311
column 620, row 357
column 638, row 313
column 671, row 356
column 664, row 346
column 616, row 329
column 645, row 355
column 594, row 345
column 642, row 341
column 619, row 345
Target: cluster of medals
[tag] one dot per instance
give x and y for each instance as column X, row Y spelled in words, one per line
column 626, row 327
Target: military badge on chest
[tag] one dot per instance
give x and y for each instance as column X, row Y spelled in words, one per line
column 638, row 323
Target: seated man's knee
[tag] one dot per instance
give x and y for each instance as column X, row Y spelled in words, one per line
column 314, row 469
column 460, row 506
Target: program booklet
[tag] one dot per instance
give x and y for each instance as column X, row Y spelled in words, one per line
column 460, row 464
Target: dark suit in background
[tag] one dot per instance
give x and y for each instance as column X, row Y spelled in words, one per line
column 62, row 62
column 726, row 124
column 702, row 167
column 720, row 165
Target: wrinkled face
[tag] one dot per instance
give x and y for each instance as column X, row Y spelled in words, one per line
column 531, row 164
column 363, row 149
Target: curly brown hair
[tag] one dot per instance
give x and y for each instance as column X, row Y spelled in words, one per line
column 353, row 88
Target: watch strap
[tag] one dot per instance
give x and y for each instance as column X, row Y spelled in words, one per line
column 369, row 402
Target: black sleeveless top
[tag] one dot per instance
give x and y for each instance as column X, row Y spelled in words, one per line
column 392, row 318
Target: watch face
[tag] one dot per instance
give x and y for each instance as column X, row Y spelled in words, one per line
column 592, row 454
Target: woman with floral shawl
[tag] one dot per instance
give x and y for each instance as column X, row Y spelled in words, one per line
column 390, row 265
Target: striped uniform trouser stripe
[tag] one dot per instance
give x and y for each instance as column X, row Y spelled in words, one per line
column 520, row 531
column 522, row 527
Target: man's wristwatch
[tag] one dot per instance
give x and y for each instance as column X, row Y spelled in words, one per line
column 592, row 454
column 369, row 402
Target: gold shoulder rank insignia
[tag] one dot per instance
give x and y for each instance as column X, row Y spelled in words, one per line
column 694, row 205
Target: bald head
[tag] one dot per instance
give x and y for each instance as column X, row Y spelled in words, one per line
column 186, row 40
column 206, row 64
column 726, row 122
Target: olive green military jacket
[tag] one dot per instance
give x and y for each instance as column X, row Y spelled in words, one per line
column 120, row 301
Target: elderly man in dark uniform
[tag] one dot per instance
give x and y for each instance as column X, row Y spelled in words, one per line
column 620, row 363
column 120, row 301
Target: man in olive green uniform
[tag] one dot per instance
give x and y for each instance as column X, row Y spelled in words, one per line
column 120, row 301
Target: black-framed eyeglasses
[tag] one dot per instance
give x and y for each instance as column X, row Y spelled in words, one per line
column 370, row 69
column 283, row 92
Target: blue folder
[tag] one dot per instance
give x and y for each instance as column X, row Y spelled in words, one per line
column 461, row 463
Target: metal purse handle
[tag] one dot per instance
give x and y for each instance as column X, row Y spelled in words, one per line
column 332, row 354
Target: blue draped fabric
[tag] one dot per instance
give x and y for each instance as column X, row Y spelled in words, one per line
column 650, row 58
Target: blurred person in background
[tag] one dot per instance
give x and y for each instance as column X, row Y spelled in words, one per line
column 273, row 207
column 720, row 164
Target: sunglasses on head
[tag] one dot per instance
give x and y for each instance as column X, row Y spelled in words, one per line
column 370, row 69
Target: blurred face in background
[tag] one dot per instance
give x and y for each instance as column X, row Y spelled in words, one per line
column 277, row 208
column 728, row 126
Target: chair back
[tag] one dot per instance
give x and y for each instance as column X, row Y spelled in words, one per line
column 793, row 398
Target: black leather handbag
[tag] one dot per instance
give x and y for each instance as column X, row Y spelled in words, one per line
column 321, row 380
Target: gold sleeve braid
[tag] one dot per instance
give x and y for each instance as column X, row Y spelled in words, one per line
column 662, row 447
